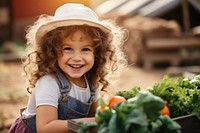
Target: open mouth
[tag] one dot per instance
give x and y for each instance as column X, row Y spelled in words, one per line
column 76, row 65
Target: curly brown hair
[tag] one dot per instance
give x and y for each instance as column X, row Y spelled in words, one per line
column 42, row 57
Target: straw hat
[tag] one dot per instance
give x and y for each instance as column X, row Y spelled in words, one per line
column 71, row 14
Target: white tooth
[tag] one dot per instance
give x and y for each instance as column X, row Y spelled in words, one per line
column 75, row 65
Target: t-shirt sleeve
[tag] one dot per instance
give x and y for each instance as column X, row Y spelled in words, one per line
column 47, row 91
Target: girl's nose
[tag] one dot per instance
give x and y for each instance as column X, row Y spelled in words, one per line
column 77, row 56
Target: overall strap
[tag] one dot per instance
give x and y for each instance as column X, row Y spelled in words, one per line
column 64, row 85
column 92, row 91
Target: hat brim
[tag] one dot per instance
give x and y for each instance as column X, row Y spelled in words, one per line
column 62, row 23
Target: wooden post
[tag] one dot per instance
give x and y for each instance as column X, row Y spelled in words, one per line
column 186, row 17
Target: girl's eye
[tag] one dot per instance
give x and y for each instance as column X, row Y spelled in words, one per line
column 87, row 49
column 67, row 49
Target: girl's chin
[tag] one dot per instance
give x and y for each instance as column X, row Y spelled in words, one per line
column 75, row 76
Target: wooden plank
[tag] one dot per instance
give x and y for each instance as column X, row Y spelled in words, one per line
column 172, row 43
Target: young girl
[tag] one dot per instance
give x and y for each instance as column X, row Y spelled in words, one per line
column 69, row 57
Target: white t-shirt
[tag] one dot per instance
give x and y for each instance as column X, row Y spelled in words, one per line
column 46, row 92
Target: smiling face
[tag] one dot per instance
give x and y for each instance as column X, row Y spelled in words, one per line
column 76, row 56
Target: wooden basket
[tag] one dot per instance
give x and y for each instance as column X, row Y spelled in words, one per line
column 74, row 126
column 189, row 123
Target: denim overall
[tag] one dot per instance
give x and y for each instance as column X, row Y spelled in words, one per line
column 68, row 107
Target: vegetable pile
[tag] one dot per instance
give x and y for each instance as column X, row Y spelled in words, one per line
column 140, row 114
column 149, row 111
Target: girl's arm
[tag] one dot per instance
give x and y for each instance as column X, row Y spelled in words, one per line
column 47, row 120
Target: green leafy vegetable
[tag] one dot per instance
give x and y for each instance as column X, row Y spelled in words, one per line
column 129, row 94
column 182, row 96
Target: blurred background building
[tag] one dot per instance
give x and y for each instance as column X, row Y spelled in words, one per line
column 157, row 28
column 160, row 31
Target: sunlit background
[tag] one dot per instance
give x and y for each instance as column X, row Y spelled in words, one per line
column 164, row 39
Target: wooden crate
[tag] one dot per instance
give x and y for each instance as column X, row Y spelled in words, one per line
column 189, row 123
column 74, row 126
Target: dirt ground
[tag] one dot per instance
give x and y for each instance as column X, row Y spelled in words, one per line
column 13, row 95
